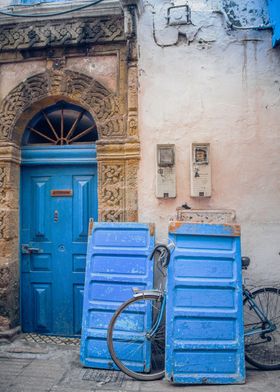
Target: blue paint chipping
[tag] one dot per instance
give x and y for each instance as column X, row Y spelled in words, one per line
column 117, row 261
column 204, row 333
column 274, row 12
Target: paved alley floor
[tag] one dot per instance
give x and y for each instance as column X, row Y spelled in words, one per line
column 27, row 366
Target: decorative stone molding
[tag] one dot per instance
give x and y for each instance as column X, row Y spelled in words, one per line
column 111, row 191
column 206, row 216
column 9, row 152
column 102, row 103
column 117, row 167
column 57, row 33
column 132, row 102
column 3, row 179
column 131, row 190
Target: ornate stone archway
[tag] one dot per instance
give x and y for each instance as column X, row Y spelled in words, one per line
column 117, row 150
column 117, row 155
column 105, row 105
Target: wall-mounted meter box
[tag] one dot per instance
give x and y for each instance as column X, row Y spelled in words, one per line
column 165, row 174
column 200, row 170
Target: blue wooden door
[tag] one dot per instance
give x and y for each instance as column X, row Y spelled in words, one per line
column 56, row 204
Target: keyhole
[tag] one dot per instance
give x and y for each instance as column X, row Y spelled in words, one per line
column 55, row 216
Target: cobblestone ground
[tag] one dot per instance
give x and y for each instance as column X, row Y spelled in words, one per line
column 27, row 366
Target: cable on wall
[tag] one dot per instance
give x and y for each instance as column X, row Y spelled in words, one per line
column 47, row 15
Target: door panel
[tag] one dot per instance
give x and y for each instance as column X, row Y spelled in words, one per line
column 42, row 300
column 83, row 187
column 40, row 226
column 54, row 240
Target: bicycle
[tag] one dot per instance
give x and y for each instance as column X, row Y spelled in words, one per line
column 130, row 333
column 261, row 309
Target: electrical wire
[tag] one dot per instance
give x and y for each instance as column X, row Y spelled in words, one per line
column 3, row 12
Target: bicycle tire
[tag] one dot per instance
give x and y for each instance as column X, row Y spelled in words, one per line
column 121, row 341
column 260, row 352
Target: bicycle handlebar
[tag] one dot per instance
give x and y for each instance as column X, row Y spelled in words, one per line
column 166, row 258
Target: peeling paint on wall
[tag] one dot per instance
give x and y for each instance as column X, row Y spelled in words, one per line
column 244, row 13
column 207, row 22
column 218, row 85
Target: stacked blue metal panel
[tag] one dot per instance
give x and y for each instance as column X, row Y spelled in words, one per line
column 274, row 14
column 117, row 261
column 204, row 333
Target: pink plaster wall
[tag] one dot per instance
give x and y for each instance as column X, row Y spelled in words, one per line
column 225, row 92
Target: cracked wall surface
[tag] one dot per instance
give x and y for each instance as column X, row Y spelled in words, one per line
column 207, row 82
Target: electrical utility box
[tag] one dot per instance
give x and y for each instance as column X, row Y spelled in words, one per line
column 200, row 170
column 166, row 171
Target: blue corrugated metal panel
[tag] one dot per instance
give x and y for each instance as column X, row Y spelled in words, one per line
column 204, row 333
column 117, row 261
column 274, row 13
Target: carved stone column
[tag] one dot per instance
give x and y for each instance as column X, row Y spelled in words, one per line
column 117, row 181
column 9, row 229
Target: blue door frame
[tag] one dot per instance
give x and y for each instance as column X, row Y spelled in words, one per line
column 58, row 196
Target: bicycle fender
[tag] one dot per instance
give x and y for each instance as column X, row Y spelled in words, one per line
column 140, row 294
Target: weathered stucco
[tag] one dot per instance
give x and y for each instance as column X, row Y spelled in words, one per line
column 220, row 86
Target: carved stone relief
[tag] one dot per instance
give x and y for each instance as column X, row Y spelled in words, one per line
column 3, row 181
column 57, row 33
column 111, row 191
column 131, row 190
column 104, row 105
column 132, row 105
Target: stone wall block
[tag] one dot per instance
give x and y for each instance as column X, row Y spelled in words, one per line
column 131, row 191
column 9, row 249
column 132, row 88
column 9, row 295
column 8, row 224
column 10, row 198
column 132, row 102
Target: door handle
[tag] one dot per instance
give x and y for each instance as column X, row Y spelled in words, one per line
column 26, row 249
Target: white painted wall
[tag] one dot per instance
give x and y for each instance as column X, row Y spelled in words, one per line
column 222, row 86
column 207, row 83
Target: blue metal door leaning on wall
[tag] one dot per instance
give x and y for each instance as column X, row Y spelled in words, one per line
column 58, row 196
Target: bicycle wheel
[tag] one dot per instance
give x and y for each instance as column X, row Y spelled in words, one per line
column 133, row 346
column 263, row 349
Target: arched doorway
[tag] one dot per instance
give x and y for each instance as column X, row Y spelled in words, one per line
column 58, row 196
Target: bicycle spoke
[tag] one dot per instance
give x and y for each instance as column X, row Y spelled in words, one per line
column 263, row 348
column 136, row 338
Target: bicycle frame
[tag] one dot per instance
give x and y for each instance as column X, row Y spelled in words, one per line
column 270, row 326
column 246, row 293
column 162, row 294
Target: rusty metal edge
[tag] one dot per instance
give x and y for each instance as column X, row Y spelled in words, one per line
column 152, row 229
column 90, row 226
column 175, row 225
